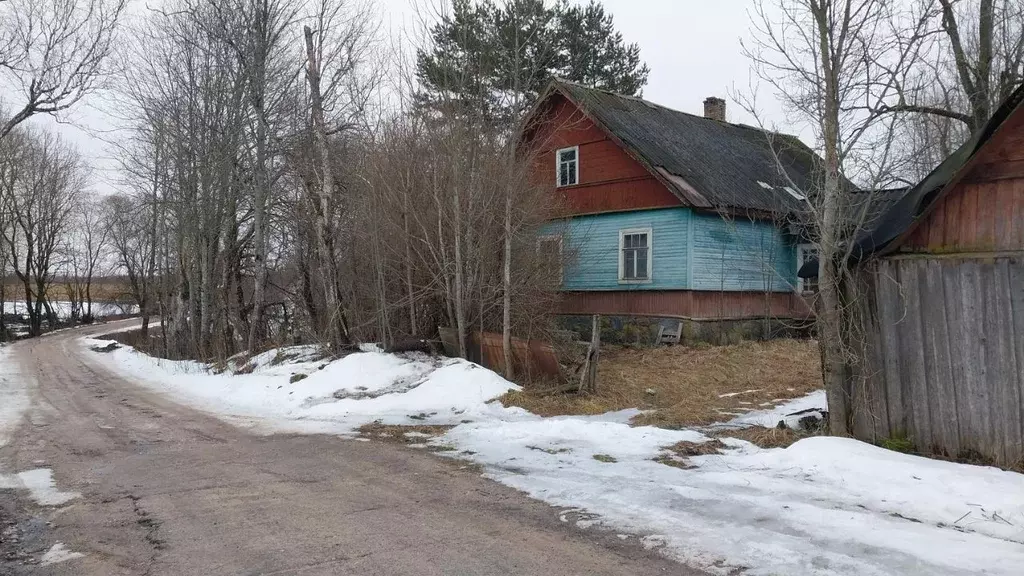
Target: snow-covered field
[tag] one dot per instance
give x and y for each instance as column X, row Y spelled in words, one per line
column 824, row 506
column 63, row 308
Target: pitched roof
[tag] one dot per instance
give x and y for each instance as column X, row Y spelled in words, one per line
column 914, row 205
column 708, row 163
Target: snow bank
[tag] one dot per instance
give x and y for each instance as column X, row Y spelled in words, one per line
column 334, row 397
column 825, row 506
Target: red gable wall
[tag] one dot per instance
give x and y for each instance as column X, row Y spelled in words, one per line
column 610, row 179
column 985, row 211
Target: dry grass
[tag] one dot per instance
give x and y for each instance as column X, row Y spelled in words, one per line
column 685, row 449
column 398, row 433
column 684, row 387
column 103, row 290
column 764, row 437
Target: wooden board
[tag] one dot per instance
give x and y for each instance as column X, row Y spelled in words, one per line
column 947, row 342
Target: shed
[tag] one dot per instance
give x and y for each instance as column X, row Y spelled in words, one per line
column 942, row 305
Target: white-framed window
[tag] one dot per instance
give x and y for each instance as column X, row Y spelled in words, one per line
column 567, row 166
column 805, row 252
column 635, row 249
column 549, row 251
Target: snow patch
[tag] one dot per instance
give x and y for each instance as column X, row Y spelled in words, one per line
column 14, row 395
column 825, row 506
column 58, row 553
column 42, row 489
column 815, row 401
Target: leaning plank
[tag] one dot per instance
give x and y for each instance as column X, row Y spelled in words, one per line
column 1011, row 281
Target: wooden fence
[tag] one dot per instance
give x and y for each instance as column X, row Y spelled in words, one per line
column 944, row 363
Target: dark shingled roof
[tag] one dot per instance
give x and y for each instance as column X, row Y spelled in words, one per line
column 723, row 163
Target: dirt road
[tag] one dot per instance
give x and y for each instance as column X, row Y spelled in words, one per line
column 168, row 490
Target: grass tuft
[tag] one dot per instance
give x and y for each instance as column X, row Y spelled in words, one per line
column 605, row 458
column 899, row 444
column 685, row 449
column 764, row 437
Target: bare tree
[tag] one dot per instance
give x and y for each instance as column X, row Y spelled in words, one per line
column 84, row 249
column 40, row 199
column 54, row 51
column 822, row 58
column 970, row 60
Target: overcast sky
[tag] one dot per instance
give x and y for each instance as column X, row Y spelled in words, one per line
column 692, row 47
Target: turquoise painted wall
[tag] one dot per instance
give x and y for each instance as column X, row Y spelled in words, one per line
column 690, row 251
column 740, row 255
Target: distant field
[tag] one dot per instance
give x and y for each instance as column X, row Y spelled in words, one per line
column 105, row 290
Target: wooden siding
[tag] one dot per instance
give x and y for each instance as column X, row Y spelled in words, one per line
column 593, row 249
column 610, row 179
column 976, row 217
column 691, row 250
column 686, row 304
column 984, row 212
column 740, row 254
column 944, row 361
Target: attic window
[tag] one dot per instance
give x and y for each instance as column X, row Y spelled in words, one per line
column 765, row 185
column 795, row 194
column 567, row 166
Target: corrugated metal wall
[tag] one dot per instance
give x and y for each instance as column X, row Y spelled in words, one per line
column 945, row 355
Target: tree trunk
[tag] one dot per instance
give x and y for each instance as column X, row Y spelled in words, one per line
column 831, row 333
column 506, row 299
column 336, row 324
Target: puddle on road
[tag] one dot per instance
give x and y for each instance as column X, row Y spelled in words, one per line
column 40, row 485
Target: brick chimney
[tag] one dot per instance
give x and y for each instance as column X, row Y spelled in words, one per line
column 714, row 108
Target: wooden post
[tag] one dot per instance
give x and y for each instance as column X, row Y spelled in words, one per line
column 588, row 376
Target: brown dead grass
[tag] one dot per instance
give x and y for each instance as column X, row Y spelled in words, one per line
column 685, row 449
column 103, row 290
column 764, row 437
column 683, row 386
column 397, row 433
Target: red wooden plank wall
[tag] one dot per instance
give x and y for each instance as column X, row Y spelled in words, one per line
column 985, row 211
column 610, row 179
column 697, row 305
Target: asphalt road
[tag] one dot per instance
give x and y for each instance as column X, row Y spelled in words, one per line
column 169, row 490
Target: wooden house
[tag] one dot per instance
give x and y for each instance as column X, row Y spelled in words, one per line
column 668, row 214
column 942, row 303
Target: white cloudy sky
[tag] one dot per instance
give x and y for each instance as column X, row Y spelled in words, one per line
column 692, row 47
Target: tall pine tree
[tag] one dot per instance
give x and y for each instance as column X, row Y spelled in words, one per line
column 493, row 59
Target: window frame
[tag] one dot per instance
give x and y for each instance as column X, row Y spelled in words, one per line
column 561, row 265
column 801, row 258
column 650, row 255
column 558, row 167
